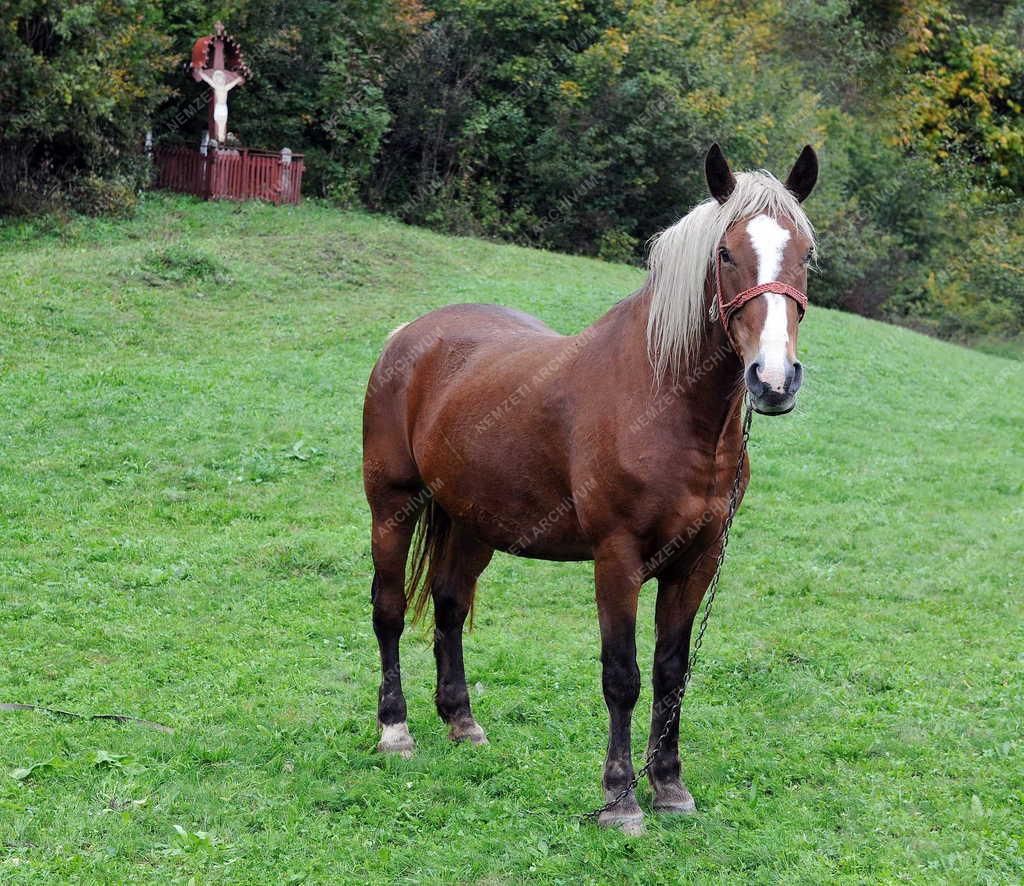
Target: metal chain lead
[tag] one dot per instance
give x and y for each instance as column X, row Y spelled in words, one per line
column 709, row 600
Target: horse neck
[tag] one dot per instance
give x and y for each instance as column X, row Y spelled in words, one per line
column 703, row 394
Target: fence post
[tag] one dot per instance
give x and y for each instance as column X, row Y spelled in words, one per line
column 210, row 181
column 285, row 191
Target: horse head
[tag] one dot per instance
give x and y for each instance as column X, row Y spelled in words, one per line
column 761, row 280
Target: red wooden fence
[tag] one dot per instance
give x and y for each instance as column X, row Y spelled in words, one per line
column 230, row 174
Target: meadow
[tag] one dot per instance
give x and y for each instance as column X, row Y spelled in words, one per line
column 184, row 539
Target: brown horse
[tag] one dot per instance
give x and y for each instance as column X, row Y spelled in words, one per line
column 619, row 445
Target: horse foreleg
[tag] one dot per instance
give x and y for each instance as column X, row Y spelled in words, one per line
column 679, row 597
column 452, row 590
column 617, row 582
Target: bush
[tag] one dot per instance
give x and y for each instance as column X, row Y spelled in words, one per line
column 92, row 195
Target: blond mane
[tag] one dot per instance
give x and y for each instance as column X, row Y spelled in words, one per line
column 682, row 256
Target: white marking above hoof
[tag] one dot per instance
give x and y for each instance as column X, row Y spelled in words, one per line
column 472, row 732
column 396, row 739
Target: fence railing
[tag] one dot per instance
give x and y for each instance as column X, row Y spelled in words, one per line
column 230, row 174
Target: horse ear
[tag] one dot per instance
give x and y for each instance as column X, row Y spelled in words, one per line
column 804, row 174
column 719, row 176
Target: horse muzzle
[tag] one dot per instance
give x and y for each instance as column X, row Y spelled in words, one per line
column 773, row 399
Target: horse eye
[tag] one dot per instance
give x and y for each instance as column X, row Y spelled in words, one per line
column 809, row 257
column 725, row 255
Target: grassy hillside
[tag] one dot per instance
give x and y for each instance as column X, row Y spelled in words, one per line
column 184, row 538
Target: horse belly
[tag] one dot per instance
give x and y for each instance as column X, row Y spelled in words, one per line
column 503, row 482
column 553, row 535
column 516, row 511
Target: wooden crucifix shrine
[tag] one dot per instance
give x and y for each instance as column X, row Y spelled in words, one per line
column 217, row 61
column 216, row 170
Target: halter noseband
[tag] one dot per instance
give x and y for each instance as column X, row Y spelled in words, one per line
column 727, row 309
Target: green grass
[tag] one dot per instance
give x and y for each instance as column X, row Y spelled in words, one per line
column 184, row 538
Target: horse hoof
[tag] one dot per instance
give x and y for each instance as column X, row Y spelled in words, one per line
column 625, row 815
column 472, row 732
column 395, row 739
column 687, row 807
column 674, row 800
column 630, row 823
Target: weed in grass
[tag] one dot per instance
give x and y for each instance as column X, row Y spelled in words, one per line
column 181, row 263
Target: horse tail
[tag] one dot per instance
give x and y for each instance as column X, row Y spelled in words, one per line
column 429, row 546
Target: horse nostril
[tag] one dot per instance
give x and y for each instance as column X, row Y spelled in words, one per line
column 753, row 379
column 795, row 377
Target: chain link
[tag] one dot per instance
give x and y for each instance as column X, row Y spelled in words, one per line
column 709, row 601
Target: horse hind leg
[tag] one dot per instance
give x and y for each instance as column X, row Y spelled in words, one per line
column 452, row 587
column 393, row 513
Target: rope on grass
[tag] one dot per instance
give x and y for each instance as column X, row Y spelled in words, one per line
column 119, row 718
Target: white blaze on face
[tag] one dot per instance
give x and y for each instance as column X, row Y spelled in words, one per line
column 769, row 239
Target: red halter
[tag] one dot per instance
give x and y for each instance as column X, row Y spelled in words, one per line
column 727, row 309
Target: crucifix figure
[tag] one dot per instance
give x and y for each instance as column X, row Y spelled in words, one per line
column 221, row 82
column 222, row 73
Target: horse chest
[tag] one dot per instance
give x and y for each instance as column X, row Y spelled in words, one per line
column 687, row 505
column 692, row 521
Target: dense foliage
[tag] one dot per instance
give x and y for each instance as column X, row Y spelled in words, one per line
column 77, row 86
column 579, row 125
